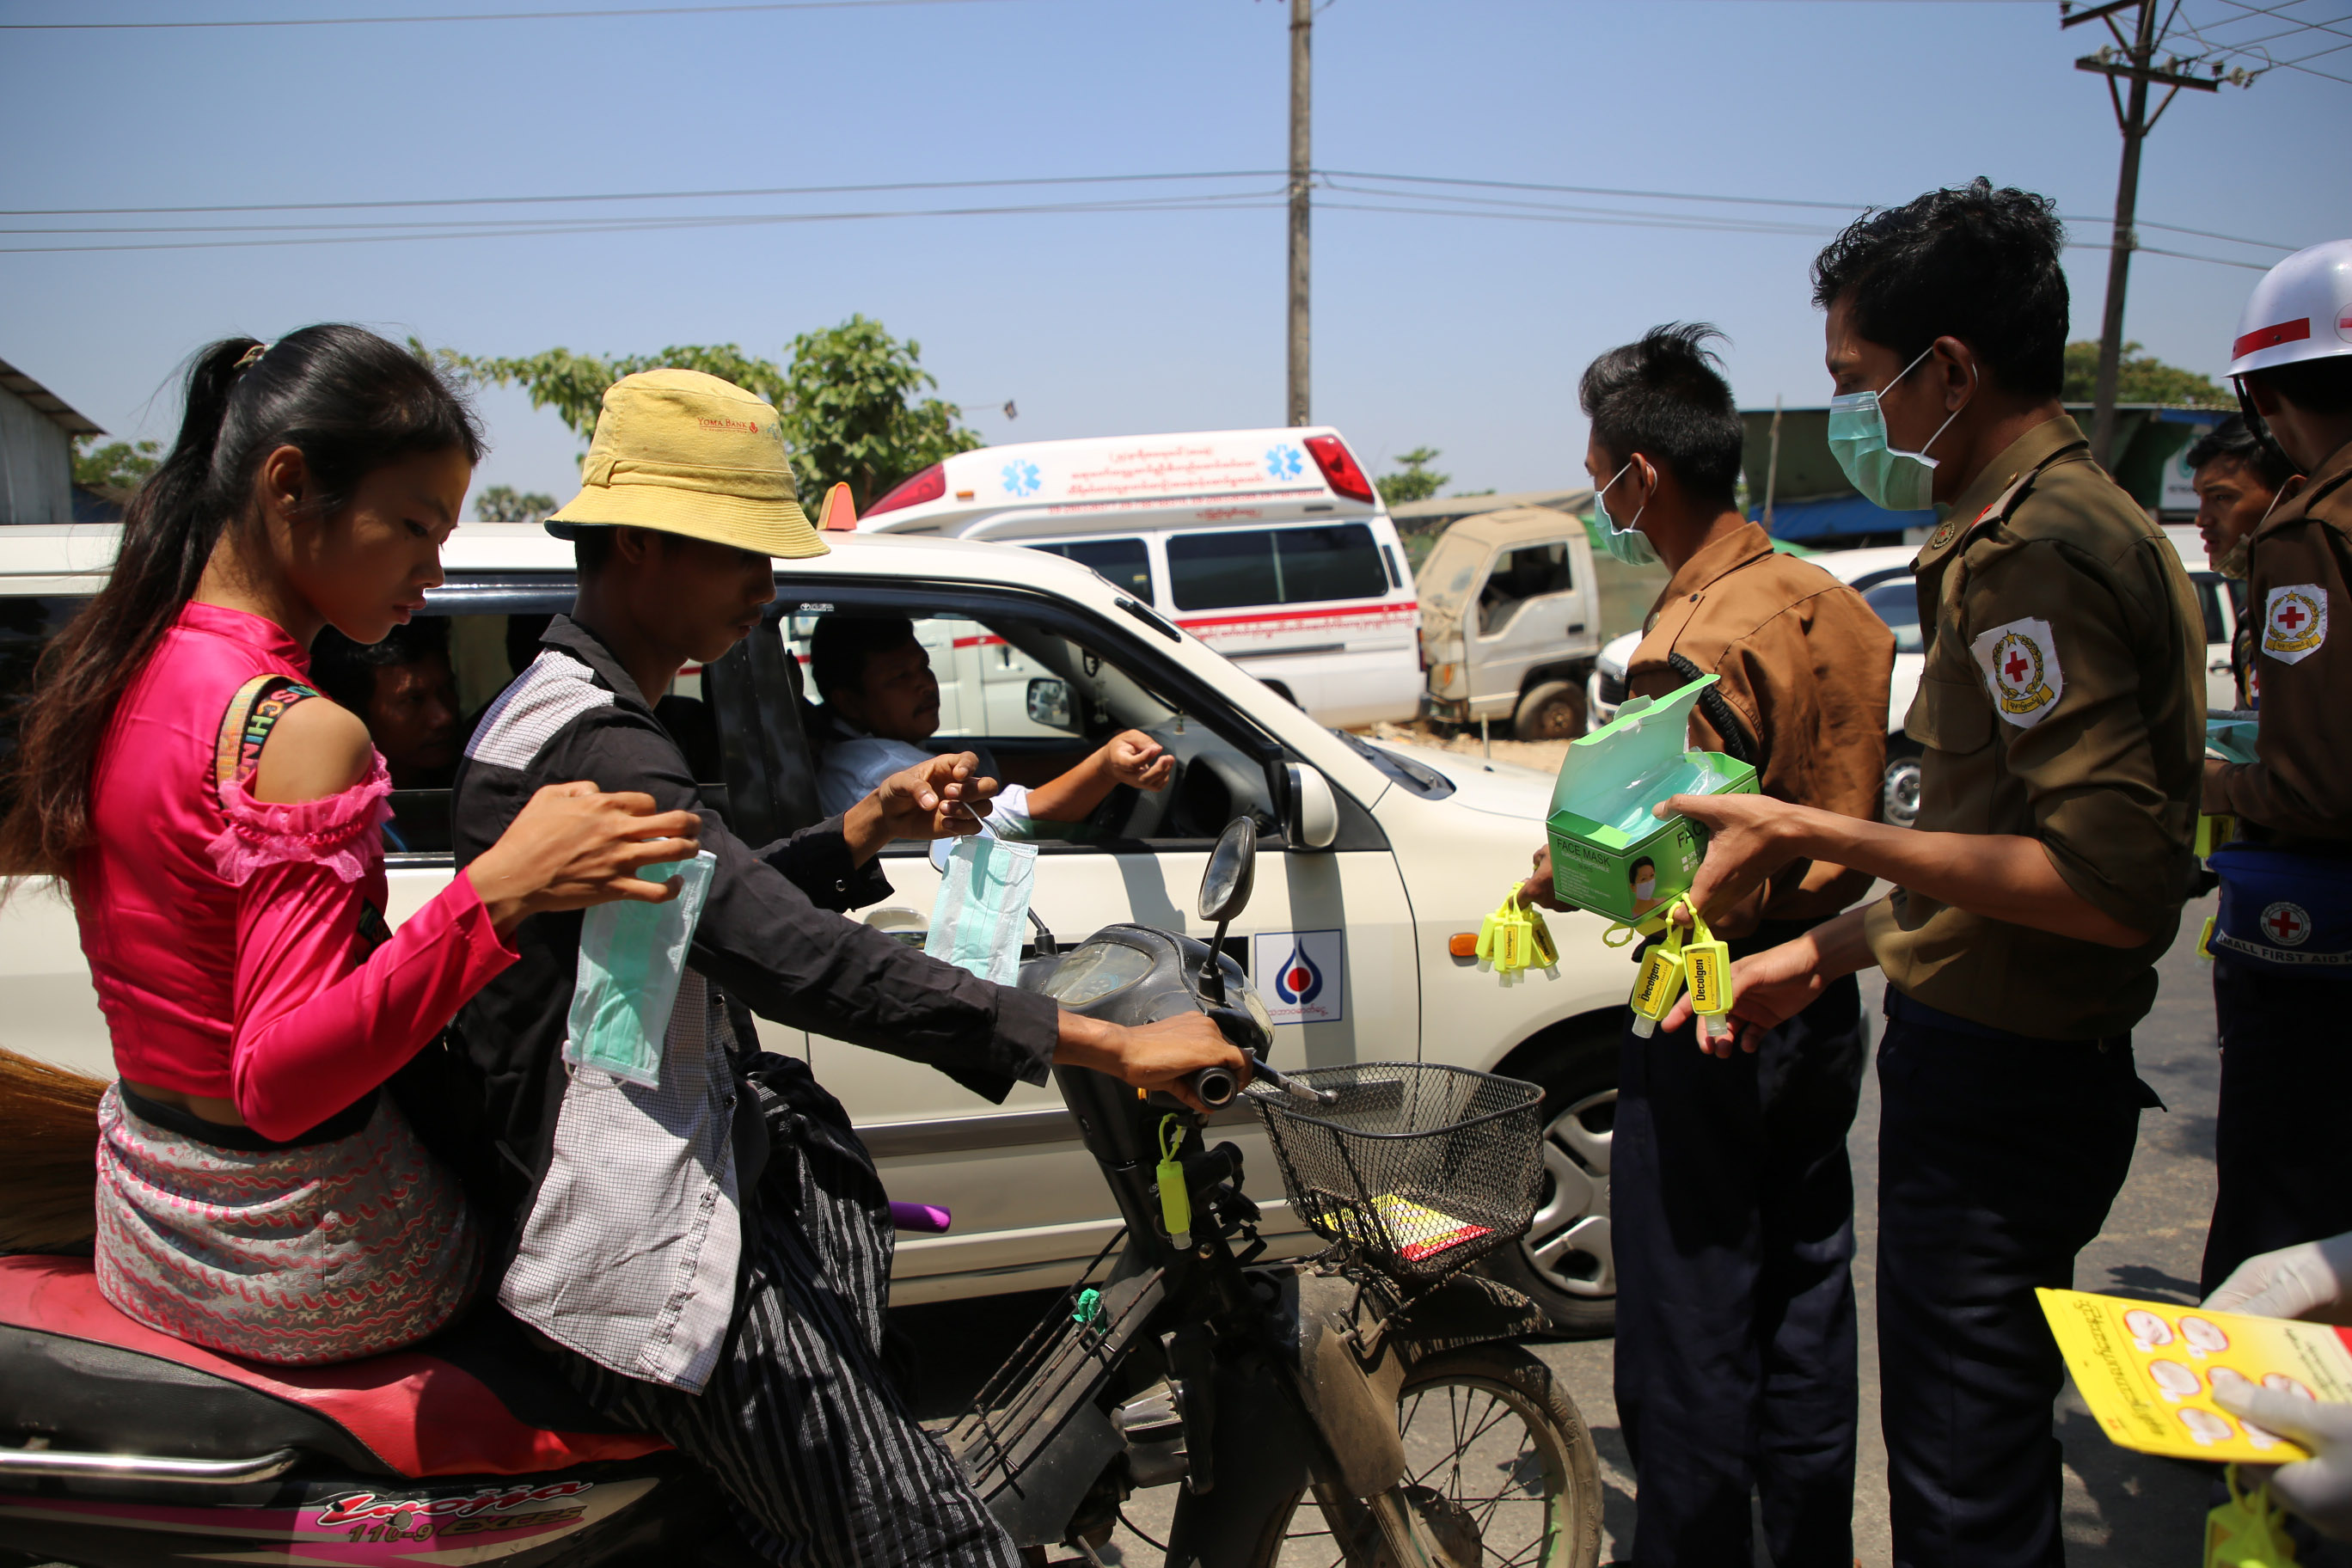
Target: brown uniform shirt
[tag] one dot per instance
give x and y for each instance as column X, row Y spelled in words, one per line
column 2301, row 788
column 2063, row 700
column 1804, row 663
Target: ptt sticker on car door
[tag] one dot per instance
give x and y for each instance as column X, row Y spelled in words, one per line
column 1301, row 976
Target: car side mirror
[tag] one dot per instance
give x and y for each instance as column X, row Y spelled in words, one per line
column 1224, row 892
column 1049, row 703
column 1314, row 809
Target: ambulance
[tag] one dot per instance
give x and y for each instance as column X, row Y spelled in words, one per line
column 1271, row 546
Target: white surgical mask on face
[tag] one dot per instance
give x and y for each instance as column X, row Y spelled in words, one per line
column 1897, row 480
column 1627, row 544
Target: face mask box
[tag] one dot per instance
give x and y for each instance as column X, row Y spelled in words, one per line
column 1609, row 852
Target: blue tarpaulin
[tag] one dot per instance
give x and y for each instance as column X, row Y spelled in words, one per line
column 1837, row 516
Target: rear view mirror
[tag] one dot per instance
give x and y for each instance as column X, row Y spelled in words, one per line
column 1049, row 703
column 1232, row 867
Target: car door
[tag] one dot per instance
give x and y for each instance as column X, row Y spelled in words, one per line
column 2220, row 612
column 1522, row 615
column 1327, row 938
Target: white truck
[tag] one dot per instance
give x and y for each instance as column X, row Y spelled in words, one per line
column 1510, row 622
column 1375, row 864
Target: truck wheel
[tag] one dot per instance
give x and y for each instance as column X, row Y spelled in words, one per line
column 1899, row 796
column 1565, row 1263
column 1553, row 711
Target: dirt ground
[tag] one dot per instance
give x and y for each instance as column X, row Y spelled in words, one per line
column 1544, row 756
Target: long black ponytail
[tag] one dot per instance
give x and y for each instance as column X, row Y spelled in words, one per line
column 347, row 400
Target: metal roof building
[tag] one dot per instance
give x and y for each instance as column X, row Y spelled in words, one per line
column 36, row 437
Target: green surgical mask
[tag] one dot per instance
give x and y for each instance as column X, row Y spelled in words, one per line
column 632, row 956
column 1898, row 481
column 1628, row 544
column 983, row 901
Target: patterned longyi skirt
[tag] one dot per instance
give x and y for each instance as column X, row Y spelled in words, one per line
column 349, row 1245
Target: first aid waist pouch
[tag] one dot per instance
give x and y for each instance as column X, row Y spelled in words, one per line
column 632, row 957
column 2288, row 910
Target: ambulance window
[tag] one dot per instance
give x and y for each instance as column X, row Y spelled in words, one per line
column 1527, row 573
column 1224, row 569
column 1123, row 562
column 1387, row 560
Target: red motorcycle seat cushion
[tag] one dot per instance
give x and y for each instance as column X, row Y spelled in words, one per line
column 420, row 1415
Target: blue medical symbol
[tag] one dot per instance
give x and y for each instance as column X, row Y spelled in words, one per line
column 1298, row 981
column 1284, row 463
column 1020, row 478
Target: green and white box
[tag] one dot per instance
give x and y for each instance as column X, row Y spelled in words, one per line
column 1609, row 852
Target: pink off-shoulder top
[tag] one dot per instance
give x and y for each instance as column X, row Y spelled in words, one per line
column 230, row 940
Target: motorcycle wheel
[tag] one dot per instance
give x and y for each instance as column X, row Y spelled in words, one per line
column 1495, row 1449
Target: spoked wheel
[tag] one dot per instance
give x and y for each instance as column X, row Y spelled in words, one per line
column 1500, row 1469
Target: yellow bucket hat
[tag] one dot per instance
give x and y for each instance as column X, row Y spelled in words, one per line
column 687, row 453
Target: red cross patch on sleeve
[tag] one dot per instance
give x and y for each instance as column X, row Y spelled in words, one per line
column 2019, row 662
column 2295, row 622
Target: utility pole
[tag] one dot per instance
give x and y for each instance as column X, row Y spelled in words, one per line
column 1302, row 167
column 2128, row 59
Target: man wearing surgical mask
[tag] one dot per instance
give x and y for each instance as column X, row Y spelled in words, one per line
column 2062, row 707
column 1731, row 1201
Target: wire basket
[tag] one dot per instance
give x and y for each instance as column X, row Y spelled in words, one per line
column 1419, row 1168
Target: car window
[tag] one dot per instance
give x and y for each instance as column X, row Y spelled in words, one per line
column 27, row 624
column 1125, row 563
column 1519, row 574
column 1225, row 568
column 2209, row 599
column 1896, row 600
column 1036, row 701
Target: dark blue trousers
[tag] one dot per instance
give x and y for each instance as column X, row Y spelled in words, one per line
column 1997, row 1158
column 1731, row 1212
column 2283, row 1164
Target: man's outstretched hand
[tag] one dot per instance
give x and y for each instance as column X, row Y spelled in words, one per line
column 1748, row 837
column 1539, row 888
column 943, row 797
column 1767, row 989
column 1132, row 757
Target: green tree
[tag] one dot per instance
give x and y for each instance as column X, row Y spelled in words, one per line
column 2140, row 378
column 850, row 400
column 118, row 465
column 499, row 503
column 853, row 414
column 1417, row 481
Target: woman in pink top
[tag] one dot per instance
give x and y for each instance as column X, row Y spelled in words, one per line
column 217, row 822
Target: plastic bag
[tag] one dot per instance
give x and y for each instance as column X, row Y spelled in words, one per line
column 632, row 956
column 984, row 904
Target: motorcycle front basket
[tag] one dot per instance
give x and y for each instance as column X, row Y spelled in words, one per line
column 1419, row 1168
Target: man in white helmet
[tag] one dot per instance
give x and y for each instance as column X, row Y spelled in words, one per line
column 2283, row 946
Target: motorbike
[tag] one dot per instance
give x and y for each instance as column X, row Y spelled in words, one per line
column 1372, row 1404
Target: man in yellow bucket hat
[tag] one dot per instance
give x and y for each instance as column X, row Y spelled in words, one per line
column 710, row 1253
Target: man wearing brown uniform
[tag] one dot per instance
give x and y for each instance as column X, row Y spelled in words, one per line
column 2283, row 949
column 2061, row 708
column 1731, row 1201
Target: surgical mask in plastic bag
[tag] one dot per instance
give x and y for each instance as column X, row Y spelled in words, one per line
column 632, row 956
column 982, row 907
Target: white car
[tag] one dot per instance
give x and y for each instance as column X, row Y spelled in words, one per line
column 1882, row 576
column 1375, row 865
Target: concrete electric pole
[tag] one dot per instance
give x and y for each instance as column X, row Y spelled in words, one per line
column 2128, row 59
column 1302, row 166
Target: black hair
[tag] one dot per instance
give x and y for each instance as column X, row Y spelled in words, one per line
column 345, row 670
column 1976, row 264
column 1663, row 398
column 347, row 400
column 841, row 645
column 2231, row 441
column 2313, row 385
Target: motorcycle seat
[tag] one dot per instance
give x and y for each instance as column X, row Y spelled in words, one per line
column 476, row 1399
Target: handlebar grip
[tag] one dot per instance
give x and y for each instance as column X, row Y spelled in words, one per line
column 1216, row 1086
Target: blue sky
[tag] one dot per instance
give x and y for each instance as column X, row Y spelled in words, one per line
column 1462, row 332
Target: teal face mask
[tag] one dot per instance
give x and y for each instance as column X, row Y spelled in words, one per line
column 1627, row 544
column 632, row 957
column 978, row 918
column 1899, row 481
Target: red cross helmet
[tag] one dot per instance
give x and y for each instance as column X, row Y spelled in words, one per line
column 2301, row 310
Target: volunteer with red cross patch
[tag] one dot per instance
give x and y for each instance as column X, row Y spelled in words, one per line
column 2283, row 939
column 2061, row 708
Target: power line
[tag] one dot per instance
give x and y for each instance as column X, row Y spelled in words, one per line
column 481, row 16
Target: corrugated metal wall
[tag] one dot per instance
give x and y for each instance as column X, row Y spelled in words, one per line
column 35, row 465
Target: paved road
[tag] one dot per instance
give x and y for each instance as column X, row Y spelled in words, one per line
column 2123, row 1510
